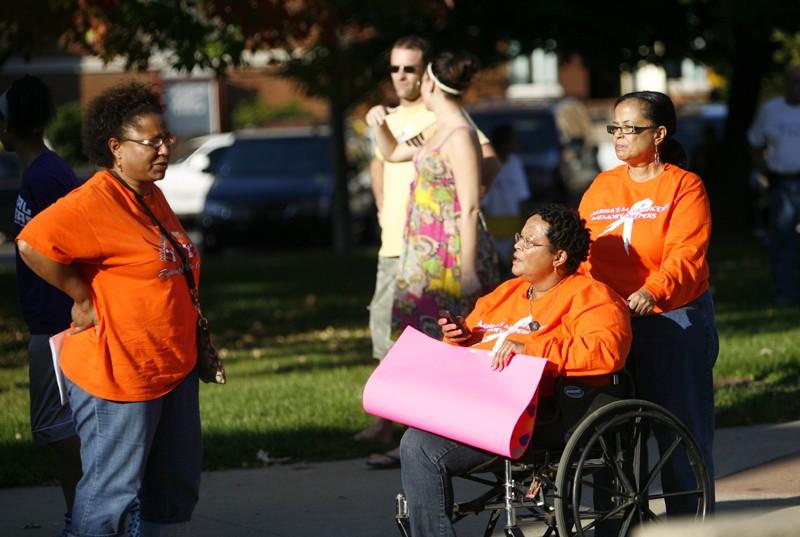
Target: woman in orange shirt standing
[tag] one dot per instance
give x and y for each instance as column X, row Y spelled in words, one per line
column 651, row 224
column 115, row 247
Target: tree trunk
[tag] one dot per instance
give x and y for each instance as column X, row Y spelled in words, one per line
column 731, row 197
column 340, row 213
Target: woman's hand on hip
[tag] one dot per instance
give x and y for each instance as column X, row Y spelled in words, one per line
column 641, row 302
column 83, row 316
column 505, row 353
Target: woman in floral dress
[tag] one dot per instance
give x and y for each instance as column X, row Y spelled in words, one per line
column 449, row 259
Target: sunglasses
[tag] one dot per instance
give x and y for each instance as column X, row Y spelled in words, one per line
column 407, row 69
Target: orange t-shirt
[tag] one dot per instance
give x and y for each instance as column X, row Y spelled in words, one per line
column 653, row 235
column 585, row 327
column 145, row 339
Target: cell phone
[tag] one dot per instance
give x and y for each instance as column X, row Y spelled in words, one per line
column 445, row 314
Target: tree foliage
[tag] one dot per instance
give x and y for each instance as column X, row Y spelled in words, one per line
column 335, row 48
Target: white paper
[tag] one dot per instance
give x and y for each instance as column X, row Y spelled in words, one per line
column 402, row 131
column 55, row 349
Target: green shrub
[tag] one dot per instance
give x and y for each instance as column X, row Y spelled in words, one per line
column 64, row 133
column 254, row 113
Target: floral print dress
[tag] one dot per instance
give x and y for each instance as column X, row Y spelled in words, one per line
column 429, row 277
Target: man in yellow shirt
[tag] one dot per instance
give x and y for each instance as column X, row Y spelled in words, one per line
column 410, row 122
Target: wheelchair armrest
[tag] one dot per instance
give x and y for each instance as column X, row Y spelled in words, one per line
column 578, row 396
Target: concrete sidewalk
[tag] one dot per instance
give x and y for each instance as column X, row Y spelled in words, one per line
column 758, row 469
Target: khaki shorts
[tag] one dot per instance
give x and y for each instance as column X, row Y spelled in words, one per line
column 380, row 308
column 50, row 421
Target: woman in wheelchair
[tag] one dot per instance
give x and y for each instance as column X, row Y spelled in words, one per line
column 578, row 324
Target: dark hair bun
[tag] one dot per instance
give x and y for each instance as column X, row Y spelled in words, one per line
column 455, row 69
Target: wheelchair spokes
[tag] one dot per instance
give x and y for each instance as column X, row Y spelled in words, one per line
column 624, row 491
column 608, row 479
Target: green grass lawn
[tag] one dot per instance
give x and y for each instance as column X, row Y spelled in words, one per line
column 758, row 371
column 292, row 327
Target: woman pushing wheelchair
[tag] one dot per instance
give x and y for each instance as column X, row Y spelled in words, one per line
column 579, row 325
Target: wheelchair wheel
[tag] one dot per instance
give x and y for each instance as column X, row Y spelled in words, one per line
column 606, row 484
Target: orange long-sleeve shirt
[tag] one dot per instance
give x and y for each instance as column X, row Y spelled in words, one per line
column 143, row 343
column 584, row 326
column 653, row 235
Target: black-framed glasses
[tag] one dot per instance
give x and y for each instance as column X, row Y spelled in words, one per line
column 628, row 129
column 526, row 242
column 155, row 143
column 407, row 69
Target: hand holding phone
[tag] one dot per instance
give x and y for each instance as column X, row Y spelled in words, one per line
column 458, row 332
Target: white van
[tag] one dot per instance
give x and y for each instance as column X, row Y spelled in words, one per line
column 190, row 175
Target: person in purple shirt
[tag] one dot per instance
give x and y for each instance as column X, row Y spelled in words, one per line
column 26, row 108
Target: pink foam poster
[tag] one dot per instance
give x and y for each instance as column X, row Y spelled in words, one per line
column 451, row 391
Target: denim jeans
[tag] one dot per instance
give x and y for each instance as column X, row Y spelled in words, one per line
column 429, row 463
column 672, row 358
column 784, row 207
column 151, row 449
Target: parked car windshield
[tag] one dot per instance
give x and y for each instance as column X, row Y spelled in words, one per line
column 182, row 150
column 259, row 156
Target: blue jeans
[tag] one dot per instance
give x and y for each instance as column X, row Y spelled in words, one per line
column 429, row 463
column 151, row 449
column 672, row 358
column 784, row 207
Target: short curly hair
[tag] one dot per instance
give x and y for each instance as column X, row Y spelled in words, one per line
column 109, row 113
column 567, row 231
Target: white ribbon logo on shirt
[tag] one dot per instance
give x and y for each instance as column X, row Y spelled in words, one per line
column 503, row 334
column 626, row 221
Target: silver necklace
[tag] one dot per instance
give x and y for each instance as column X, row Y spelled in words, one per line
column 535, row 325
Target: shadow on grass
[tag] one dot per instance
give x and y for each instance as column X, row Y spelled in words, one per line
column 757, row 320
column 32, row 465
column 772, row 396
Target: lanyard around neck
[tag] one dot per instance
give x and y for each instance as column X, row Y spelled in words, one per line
column 185, row 266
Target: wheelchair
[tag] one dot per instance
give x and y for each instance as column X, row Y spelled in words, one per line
column 589, row 470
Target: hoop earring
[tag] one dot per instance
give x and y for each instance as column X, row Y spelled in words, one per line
column 657, row 159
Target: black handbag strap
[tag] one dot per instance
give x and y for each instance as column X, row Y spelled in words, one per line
column 186, row 268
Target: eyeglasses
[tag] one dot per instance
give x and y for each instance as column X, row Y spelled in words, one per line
column 155, row 143
column 407, row 69
column 527, row 244
column 628, row 129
